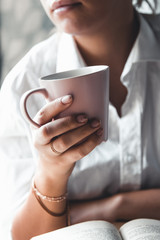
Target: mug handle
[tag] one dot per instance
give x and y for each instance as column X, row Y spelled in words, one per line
column 23, row 104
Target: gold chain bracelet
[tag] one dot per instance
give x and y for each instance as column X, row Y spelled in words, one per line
column 47, row 198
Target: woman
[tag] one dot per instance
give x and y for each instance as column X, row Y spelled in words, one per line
column 116, row 180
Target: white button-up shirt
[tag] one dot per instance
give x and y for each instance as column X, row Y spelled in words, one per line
column 129, row 160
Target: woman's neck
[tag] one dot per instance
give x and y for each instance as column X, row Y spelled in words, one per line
column 111, row 43
column 111, row 46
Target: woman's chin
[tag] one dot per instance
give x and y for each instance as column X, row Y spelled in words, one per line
column 69, row 28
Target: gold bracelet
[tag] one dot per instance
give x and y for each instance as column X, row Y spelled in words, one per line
column 48, row 210
column 47, row 198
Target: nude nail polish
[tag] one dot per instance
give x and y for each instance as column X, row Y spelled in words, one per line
column 66, row 99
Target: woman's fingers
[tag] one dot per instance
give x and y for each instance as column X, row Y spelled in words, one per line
column 75, row 153
column 45, row 133
column 74, row 133
column 69, row 139
column 52, row 109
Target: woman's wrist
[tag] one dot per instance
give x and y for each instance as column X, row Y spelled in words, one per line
column 113, row 208
column 50, row 186
column 120, row 206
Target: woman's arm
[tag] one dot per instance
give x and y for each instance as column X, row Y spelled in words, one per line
column 140, row 204
column 120, row 207
column 54, row 168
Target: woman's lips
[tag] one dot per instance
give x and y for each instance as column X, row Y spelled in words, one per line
column 57, row 5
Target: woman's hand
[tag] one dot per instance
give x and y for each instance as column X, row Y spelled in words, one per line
column 62, row 142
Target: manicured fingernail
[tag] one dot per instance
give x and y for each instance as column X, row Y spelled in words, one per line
column 66, row 99
column 95, row 123
column 99, row 132
column 82, row 118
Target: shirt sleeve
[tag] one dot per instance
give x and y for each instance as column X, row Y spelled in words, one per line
column 17, row 156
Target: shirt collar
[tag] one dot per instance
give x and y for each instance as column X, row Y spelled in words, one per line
column 146, row 47
column 68, row 56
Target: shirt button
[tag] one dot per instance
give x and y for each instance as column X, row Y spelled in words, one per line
column 129, row 158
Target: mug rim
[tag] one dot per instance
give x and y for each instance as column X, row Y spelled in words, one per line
column 74, row 73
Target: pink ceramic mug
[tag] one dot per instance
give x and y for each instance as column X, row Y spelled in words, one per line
column 89, row 87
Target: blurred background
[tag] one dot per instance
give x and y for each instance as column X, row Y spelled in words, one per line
column 22, row 25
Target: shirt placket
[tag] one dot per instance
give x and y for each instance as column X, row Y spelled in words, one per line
column 130, row 137
column 130, row 152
